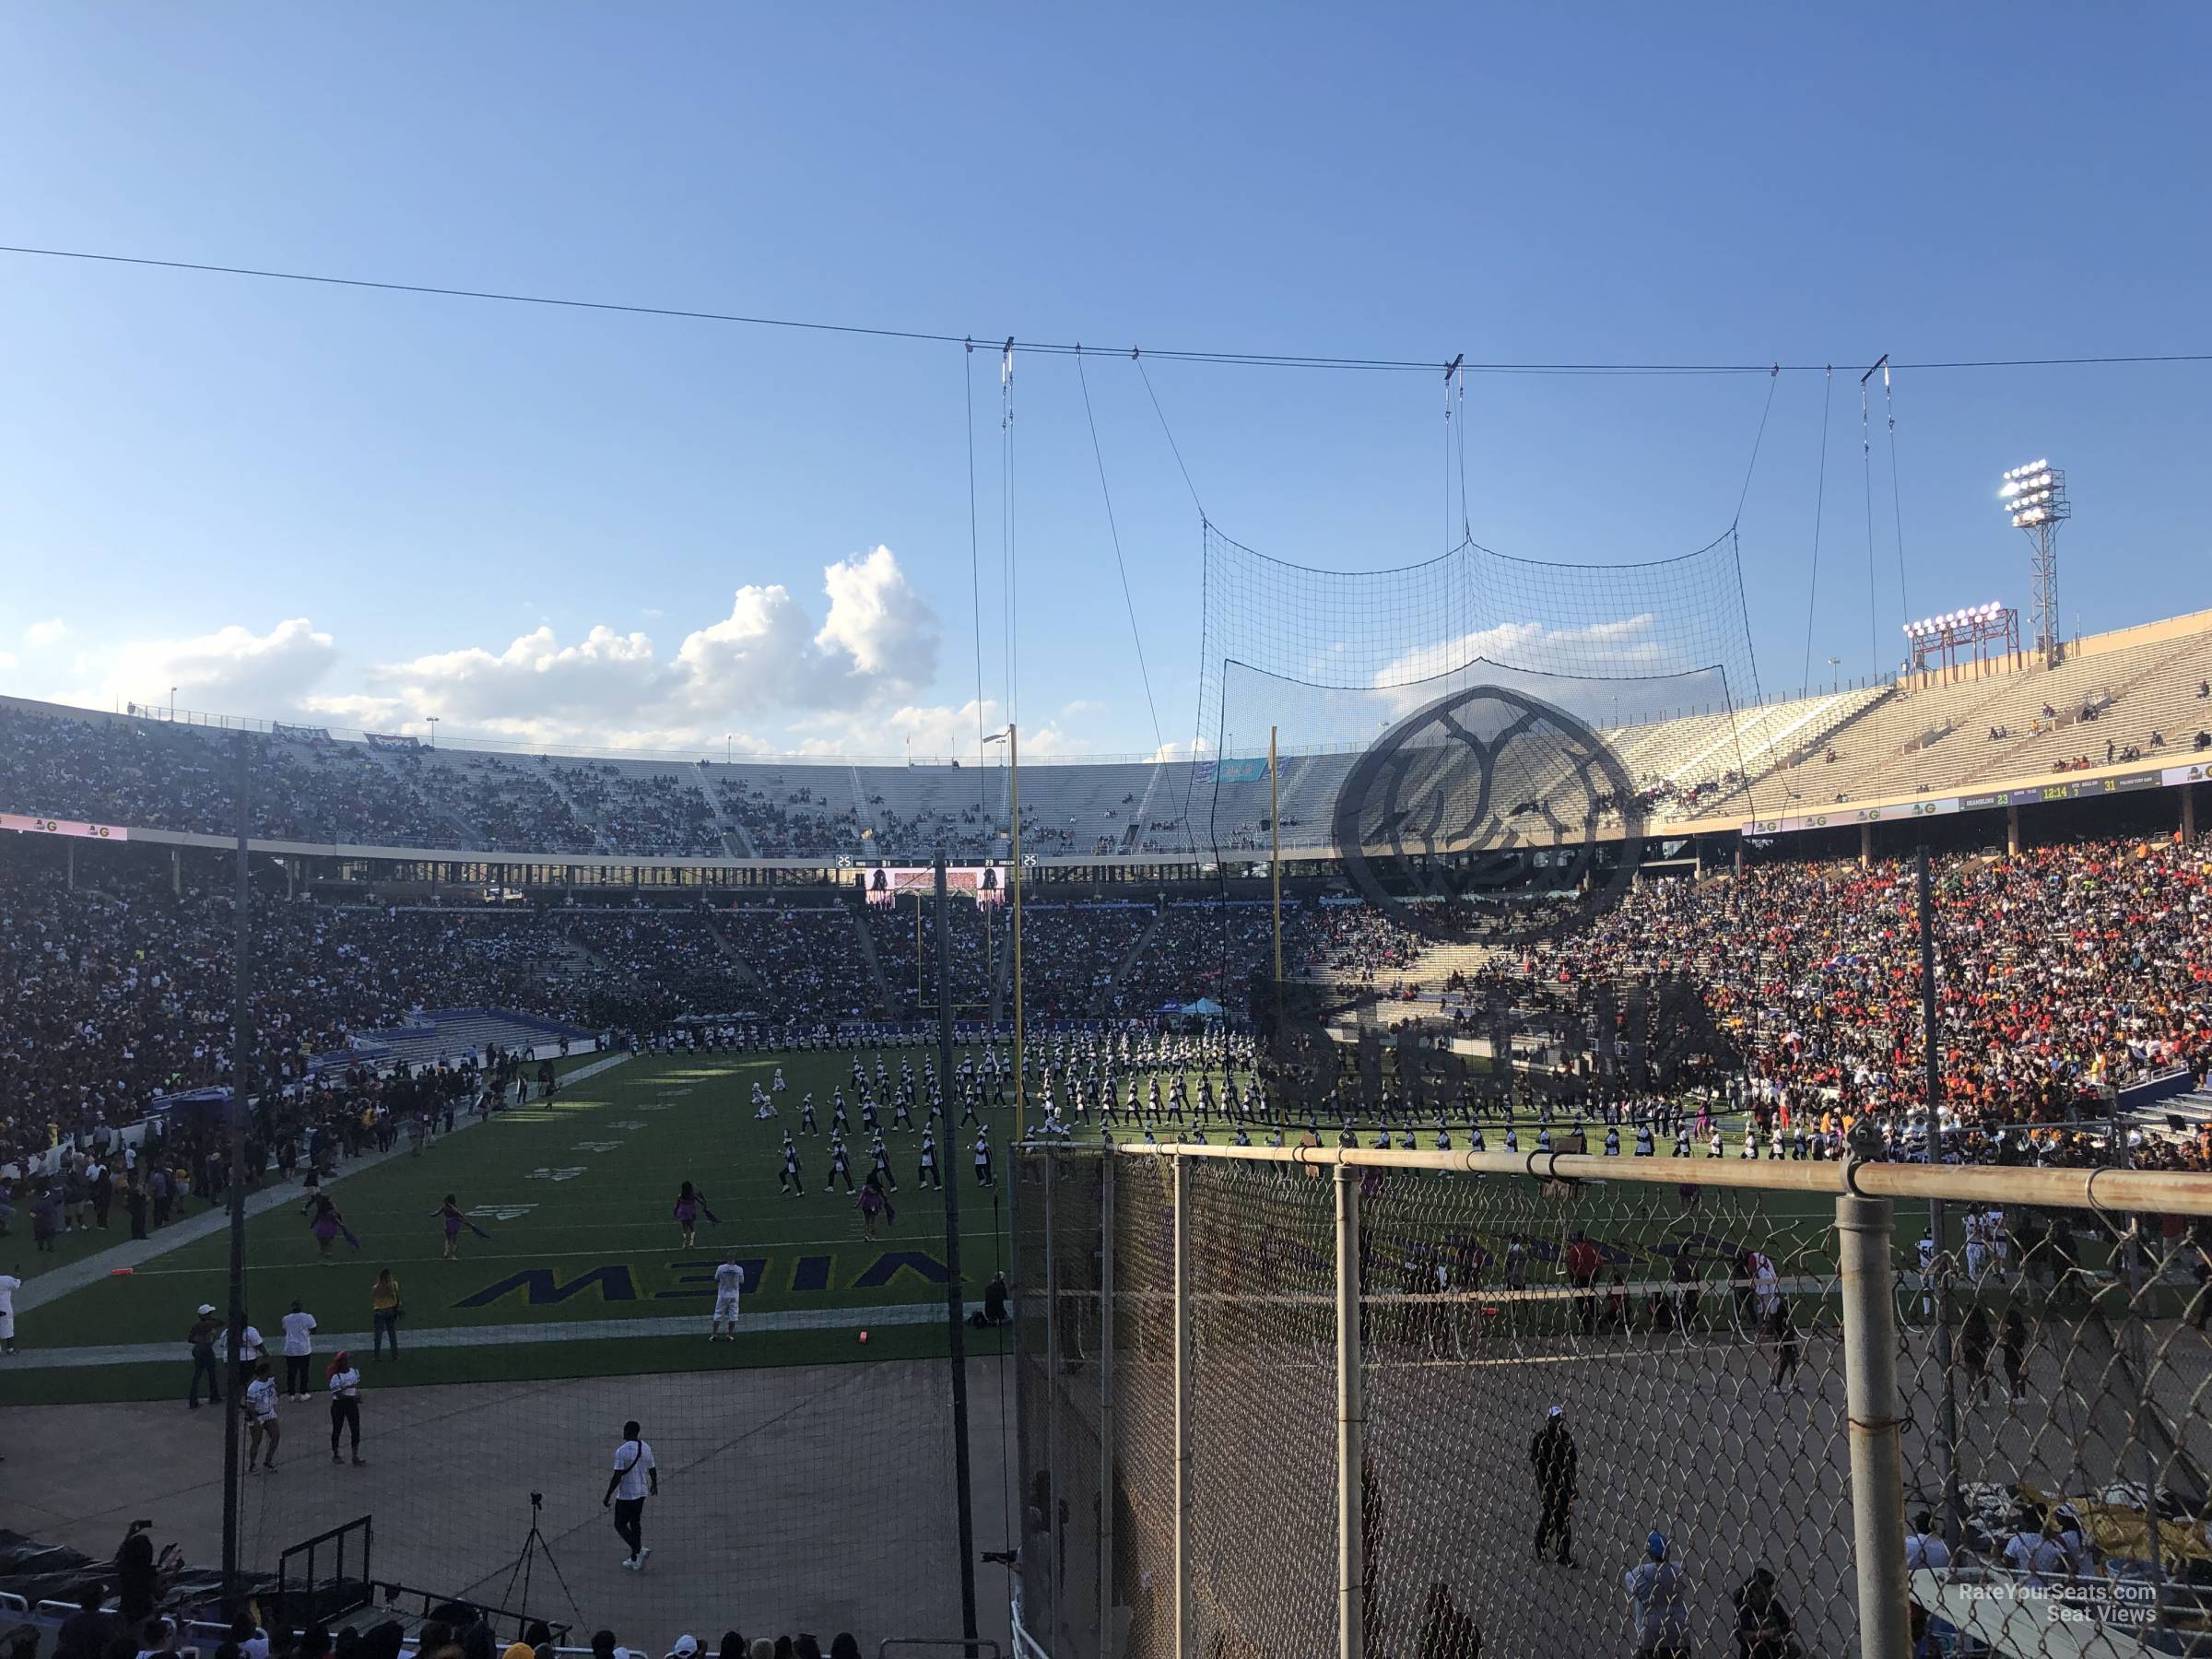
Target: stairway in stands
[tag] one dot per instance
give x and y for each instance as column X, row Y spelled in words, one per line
column 746, row 970
column 601, row 841
column 1002, row 969
column 471, row 835
column 735, row 840
column 2194, row 1109
column 1137, row 948
column 867, row 955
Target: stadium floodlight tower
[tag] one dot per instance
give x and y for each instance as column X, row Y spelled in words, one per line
column 2035, row 495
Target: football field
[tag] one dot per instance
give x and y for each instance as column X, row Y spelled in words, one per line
column 583, row 1269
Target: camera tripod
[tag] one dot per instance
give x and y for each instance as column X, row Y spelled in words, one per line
column 534, row 1546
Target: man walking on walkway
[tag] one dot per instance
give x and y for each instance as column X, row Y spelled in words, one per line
column 1551, row 1457
column 204, row 1330
column 635, row 1476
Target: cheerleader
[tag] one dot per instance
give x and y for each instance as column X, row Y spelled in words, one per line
column 327, row 1224
column 873, row 1203
column 690, row 1203
column 449, row 1214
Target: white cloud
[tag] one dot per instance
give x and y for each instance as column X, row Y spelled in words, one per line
column 939, row 732
column 40, row 635
column 230, row 671
column 1173, row 749
column 878, row 620
column 769, row 672
column 1601, row 648
column 876, row 646
column 7, row 660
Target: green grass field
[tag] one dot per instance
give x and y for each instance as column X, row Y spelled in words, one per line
column 576, row 1196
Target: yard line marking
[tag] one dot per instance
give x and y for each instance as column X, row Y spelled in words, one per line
column 513, row 1334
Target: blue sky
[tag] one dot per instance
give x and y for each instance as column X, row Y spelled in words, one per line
column 294, row 499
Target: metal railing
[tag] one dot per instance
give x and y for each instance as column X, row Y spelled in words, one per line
column 1302, row 1400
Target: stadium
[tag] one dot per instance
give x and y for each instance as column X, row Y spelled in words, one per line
column 1170, row 1066
column 553, row 989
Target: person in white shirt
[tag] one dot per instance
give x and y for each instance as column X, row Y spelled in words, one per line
column 2036, row 1556
column 635, row 1478
column 261, row 1418
column 729, row 1282
column 9, row 1284
column 249, row 1354
column 1924, row 1545
column 299, row 1344
column 345, row 1405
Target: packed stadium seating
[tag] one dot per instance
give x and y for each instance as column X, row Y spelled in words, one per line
column 2133, row 695
column 2072, row 968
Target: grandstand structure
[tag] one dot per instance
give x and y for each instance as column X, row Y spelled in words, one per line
column 2121, row 711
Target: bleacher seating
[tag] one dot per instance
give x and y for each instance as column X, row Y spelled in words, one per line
column 1790, row 755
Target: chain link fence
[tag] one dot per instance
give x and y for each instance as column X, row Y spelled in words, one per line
column 1587, row 1415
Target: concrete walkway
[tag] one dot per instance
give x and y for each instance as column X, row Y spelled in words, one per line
column 135, row 1253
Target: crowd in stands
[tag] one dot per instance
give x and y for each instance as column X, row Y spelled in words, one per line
column 174, row 777
column 141, row 1621
column 808, row 958
column 501, row 805
column 1208, row 950
column 1069, row 955
column 963, row 837
column 787, row 822
column 665, row 961
column 119, row 989
column 977, row 945
column 2066, row 971
column 652, row 815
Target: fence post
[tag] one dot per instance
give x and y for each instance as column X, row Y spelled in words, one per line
column 1106, row 1423
column 1057, row 1614
column 1183, row 1403
column 1878, row 1483
column 1351, row 1415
